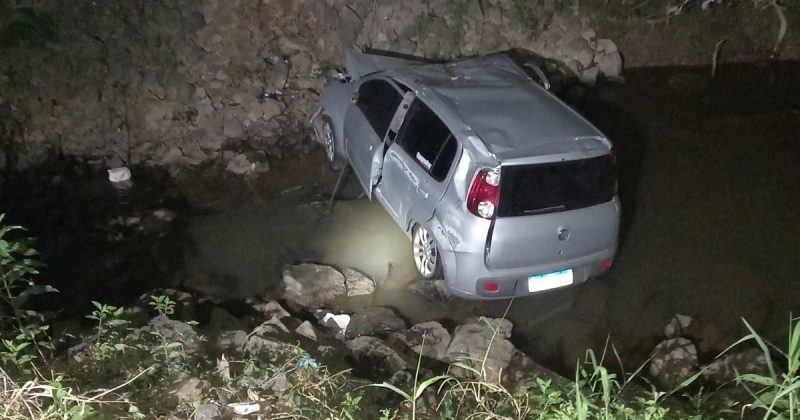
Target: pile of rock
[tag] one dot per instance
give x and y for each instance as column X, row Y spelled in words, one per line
column 380, row 342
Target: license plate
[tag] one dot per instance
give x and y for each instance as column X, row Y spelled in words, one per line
column 549, row 281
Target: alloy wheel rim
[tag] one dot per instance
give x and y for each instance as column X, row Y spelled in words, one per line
column 425, row 255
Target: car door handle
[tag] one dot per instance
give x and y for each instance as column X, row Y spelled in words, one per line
column 422, row 192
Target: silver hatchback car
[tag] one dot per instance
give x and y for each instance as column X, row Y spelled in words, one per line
column 504, row 190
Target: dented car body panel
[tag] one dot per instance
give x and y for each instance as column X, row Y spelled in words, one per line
column 515, row 189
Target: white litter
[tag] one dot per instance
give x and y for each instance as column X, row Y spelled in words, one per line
column 244, row 409
column 337, row 321
column 121, row 174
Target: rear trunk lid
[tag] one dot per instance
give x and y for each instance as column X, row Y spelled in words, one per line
column 555, row 211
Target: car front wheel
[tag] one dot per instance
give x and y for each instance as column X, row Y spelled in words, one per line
column 426, row 254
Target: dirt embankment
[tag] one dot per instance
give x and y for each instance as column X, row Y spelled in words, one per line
column 177, row 83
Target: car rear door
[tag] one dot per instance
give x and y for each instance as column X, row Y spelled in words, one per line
column 417, row 165
column 552, row 212
column 365, row 126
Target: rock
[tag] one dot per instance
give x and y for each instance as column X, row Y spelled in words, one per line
column 473, row 339
column 589, row 76
column 373, row 321
column 357, row 284
column 436, row 339
column 307, row 330
column 374, row 359
column 677, row 325
column 245, row 164
column 724, row 370
column 271, row 326
column 521, row 368
column 706, row 335
column 434, row 291
column 608, row 58
column 231, row 341
column 221, row 319
column 312, row 286
column 189, row 390
column 173, row 330
column 673, row 361
column 257, row 346
column 280, row 383
column 269, row 309
column 207, row 412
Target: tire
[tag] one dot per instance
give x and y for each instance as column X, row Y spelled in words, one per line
column 329, row 143
column 426, row 254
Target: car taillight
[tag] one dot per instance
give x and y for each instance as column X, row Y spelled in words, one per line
column 491, row 287
column 484, row 193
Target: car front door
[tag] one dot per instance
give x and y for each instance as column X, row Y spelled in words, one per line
column 365, row 127
column 416, row 166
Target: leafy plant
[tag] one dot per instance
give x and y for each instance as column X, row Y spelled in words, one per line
column 15, row 353
column 27, row 328
column 350, row 406
column 110, row 325
column 162, row 304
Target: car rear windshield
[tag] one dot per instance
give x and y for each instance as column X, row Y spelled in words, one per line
column 557, row 186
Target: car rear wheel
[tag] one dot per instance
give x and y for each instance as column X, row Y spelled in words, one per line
column 328, row 139
column 426, row 254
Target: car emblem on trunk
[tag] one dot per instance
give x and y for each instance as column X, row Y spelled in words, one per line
column 563, row 234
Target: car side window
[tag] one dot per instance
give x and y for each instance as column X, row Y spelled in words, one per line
column 378, row 100
column 428, row 141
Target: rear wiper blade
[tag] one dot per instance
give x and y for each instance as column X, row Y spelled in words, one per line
column 545, row 209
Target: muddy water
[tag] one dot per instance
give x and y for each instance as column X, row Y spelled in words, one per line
column 708, row 180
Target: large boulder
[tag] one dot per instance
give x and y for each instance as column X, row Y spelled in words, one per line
column 481, row 343
column 373, row 321
column 673, row 361
column 312, row 286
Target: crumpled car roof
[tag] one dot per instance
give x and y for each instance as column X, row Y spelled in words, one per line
column 494, row 97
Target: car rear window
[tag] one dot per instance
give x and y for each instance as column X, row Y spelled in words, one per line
column 557, row 186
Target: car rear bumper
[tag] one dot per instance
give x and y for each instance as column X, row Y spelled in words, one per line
column 466, row 273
